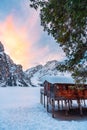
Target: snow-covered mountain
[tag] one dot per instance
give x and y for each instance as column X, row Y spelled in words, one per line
column 35, row 74
column 10, row 73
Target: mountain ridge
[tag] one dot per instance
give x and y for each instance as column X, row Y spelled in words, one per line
column 35, row 74
column 12, row 74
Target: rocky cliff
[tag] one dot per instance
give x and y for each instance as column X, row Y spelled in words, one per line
column 10, row 73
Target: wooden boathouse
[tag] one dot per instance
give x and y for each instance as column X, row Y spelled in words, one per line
column 63, row 91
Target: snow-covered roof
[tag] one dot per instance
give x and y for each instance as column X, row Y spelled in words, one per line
column 59, row 79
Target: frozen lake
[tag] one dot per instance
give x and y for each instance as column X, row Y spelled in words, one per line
column 20, row 109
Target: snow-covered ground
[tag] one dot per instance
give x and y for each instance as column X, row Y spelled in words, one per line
column 20, row 109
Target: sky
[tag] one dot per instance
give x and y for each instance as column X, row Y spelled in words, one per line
column 23, row 36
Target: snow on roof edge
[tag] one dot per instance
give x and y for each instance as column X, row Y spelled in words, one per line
column 59, row 79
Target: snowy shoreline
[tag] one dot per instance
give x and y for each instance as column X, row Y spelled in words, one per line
column 20, row 109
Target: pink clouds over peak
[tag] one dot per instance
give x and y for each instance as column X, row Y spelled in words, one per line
column 24, row 40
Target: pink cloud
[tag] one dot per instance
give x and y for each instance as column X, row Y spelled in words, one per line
column 20, row 40
column 15, row 41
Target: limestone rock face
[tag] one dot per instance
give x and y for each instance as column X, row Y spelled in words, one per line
column 10, row 73
column 1, row 47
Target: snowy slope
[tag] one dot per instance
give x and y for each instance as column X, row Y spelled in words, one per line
column 20, row 109
column 38, row 73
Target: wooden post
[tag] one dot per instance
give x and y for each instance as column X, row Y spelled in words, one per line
column 80, row 107
column 66, row 108
column 47, row 104
column 62, row 103
column 58, row 104
column 53, row 106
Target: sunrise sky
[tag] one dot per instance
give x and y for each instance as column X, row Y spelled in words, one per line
column 23, row 37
